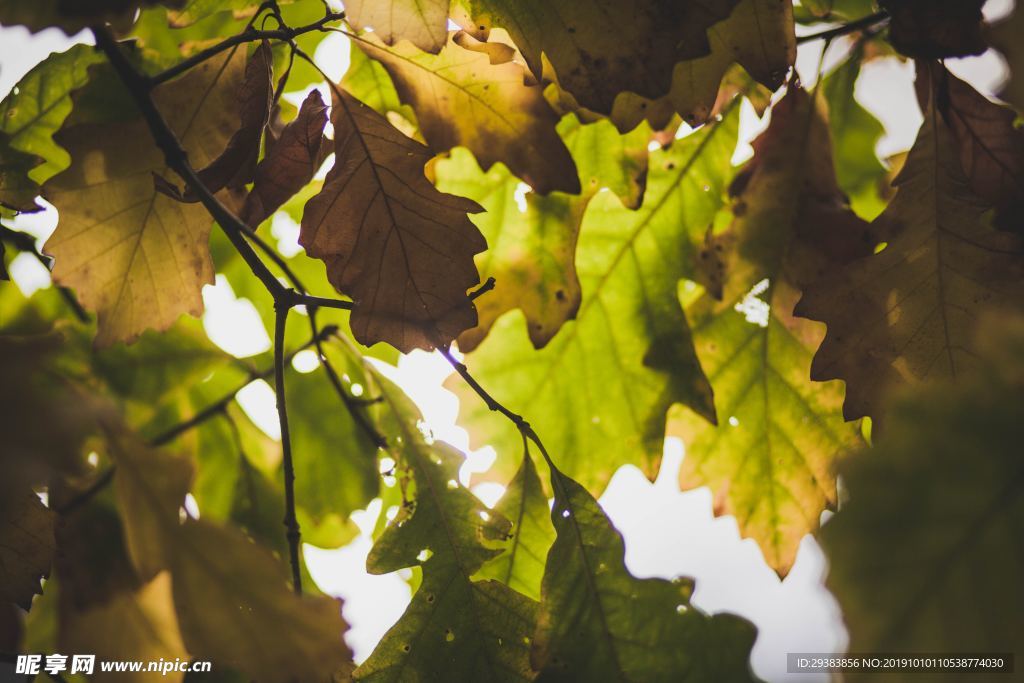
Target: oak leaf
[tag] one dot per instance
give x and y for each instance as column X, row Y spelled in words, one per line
column 908, row 313
column 990, row 145
column 769, row 460
column 424, row 23
column 472, row 630
column 402, row 250
column 758, row 35
column 26, row 546
column 290, row 164
column 461, row 98
column 594, row 63
column 934, row 29
column 599, row 391
column 234, row 167
column 600, row 623
column 136, row 256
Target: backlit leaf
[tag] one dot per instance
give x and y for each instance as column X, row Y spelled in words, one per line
column 461, row 98
column 600, row 623
column 758, row 35
column 295, row 157
column 402, row 250
column 600, row 390
column 909, row 312
column 135, row 256
column 424, row 23
column 769, row 460
column 594, row 63
column 521, row 566
column 236, row 608
column 470, row 630
column 990, row 145
column 32, row 113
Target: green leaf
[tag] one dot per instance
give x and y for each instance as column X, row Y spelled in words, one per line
column 758, row 35
column 926, row 556
column 531, row 253
column 599, row 392
column 470, row 630
column 424, row 23
column 18, row 191
column 40, row 102
column 26, row 546
column 770, row 459
column 336, row 469
column 855, row 134
column 599, row 623
column 909, row 313
column 235, row 608
column 461, row 98
column 521, row 567
column 600, row 49
column 151, row 487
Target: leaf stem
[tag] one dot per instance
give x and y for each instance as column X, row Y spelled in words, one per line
column 853, row 26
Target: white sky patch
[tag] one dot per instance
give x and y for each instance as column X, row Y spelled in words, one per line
column 751, row 125
column 489, row 492
column 259, row 402
column 286, row 232
column 520, row 196
column 753, row 308
column 232, row 323
column 477, row 462
column 28, row 274
column 306, row 361
column 191, row 506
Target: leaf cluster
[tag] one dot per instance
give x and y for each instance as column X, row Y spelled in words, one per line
column 576, row 159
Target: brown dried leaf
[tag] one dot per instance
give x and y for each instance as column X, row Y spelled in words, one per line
column 462, row 98
column 933, row 29
column 237, row 163
column 291, row 162
column 26, row 546
column 991, row 147
column 402, row 250
column 909, row 313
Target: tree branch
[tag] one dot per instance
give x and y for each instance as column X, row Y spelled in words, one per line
column 249, row 35
column 291, row 524
column 853, row 26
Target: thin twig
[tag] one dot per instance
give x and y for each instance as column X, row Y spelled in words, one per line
column 853, row 26
column 250, row 35
column 290, row 522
